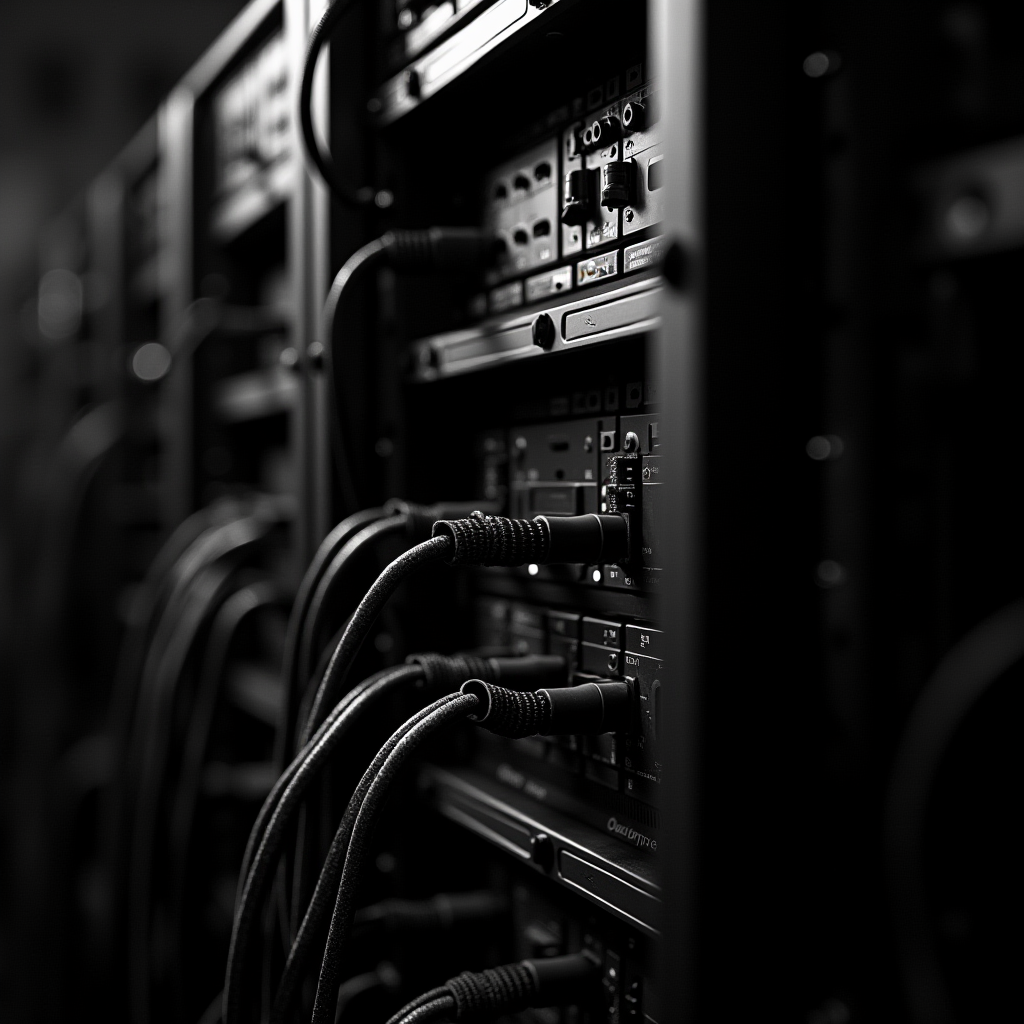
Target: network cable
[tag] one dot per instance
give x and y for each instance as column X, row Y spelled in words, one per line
column 426, row 676
column 438, row 250
column 324, row 163
column 477, row 540
column 592, row 708
column 574, row 979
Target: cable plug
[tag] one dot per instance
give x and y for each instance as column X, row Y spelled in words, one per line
column 482, row 539
column 440, row 249
column 441, row 913
column 420, row 519
column 589, row 708
column 498, row 991
column 443, row 673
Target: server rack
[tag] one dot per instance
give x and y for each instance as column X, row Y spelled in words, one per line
column 687, row 323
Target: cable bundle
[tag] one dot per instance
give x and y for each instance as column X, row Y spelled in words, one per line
column 486, row 995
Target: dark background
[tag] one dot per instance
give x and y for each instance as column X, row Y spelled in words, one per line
column 77, row 80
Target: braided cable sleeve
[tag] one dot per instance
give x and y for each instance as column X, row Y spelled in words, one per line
column 271, row 802
column 497, row 992
column 328, row 548
column 448, row 709
column 329, row 580
column 445, row 673
column 422, row 1000
column 482, row 539
column 363, row 619
column 277, row 813
column 493, row 992
column 509, row 712
column 434, row 1010
column 323, row 897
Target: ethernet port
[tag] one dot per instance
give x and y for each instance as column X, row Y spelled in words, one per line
column 520, row 236
column 542, row 172
column 541, row 228
column 521, row 183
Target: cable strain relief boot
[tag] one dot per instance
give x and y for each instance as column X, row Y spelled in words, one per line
column 421, row 518
column 481, row 539
column 590, row 708
column 560, row 980
column 445, row 673
column 507, row 712
column 493, row 993
column 440, row 249
column 593, row 539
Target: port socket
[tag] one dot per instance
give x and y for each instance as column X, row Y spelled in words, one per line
column 521, row 183
column 542, row 171
column 634, row 116
column 520, row 236
column 605, row 131
column 542, row 228
column 501, row 191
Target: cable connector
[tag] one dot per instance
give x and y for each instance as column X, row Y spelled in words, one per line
column 441, row 913
column 589, row 708
column 443, row 673
column 500, row 991
column 482, row 539
column 420, row 519
column 440, row 249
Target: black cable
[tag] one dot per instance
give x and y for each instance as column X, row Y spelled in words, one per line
column 440, row 913
column 210, row 590
column 362, row 621
column 417, row 521
column 421, row 1000
column 434, row 249
column 232, row 614
column 293, row 680
column 435, row 1009
column 479, row 539
column 329, row 579
column 591, row 708
column 429, row 674
column 348, row 850
column 477, row 996
column 323, row 162
column 383, row 979
column 187, row 609
column 270, row 829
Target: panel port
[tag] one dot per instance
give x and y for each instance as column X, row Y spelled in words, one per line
column 606, row 131
column 501, row 191
column 634, row 116
column 542, row 171
column 541, row 228
column 654, row 175
column 521, row 183
column 520, row 236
